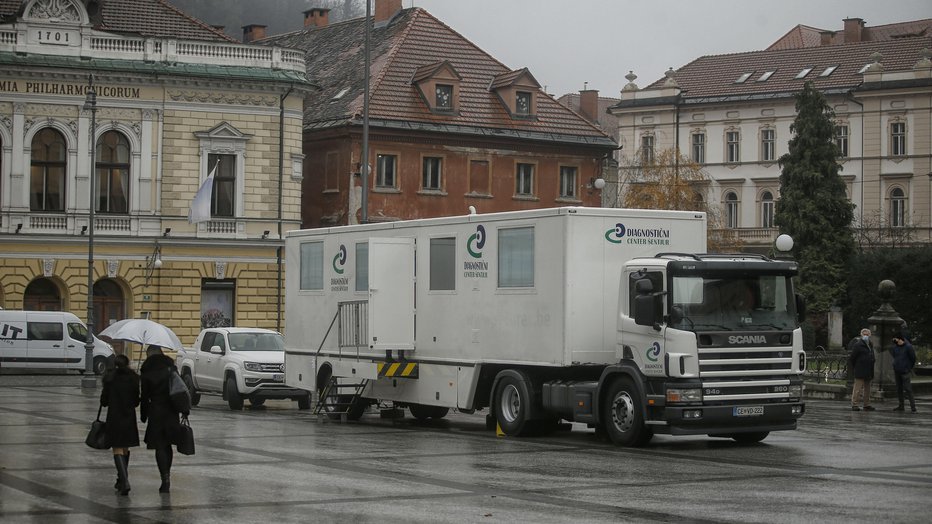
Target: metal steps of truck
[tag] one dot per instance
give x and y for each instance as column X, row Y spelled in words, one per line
column 338, row 400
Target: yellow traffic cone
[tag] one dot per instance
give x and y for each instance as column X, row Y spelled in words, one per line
column 498, row 430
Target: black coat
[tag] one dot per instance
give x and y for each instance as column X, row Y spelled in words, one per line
column 163, row 426
column 861, row 359
column 120, row 395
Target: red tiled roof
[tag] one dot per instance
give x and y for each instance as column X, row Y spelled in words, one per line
column 154, row 18
column 803, row 36
column 414, row 39
column 799, row 36
column 715, row 75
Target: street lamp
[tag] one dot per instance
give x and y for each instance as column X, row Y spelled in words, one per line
column 90, row 104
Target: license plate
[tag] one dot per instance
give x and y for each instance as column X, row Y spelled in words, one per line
column 749, row 411
column 278, row 377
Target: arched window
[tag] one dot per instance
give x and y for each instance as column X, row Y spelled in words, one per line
column 766, row 209
column 897, row 207
column 42, row 295
column 113, row 154
column 731, row 210
column 47, row 174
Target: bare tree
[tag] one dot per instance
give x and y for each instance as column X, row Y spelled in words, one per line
column 874, row 230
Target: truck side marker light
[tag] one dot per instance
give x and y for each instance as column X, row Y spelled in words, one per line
column 650, row 402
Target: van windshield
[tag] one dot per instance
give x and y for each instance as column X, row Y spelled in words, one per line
column 256, row 342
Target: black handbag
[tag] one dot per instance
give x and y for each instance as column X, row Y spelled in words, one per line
column 185, row 442
column 97, row 437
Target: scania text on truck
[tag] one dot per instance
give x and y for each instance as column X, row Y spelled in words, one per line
column 608, row 317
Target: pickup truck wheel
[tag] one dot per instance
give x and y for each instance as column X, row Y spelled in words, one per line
column 422, row 412
column 304, row 402
column 256, row 402
column 234, row 399
column 189, row 382
column 623, row 415
column 512, row 404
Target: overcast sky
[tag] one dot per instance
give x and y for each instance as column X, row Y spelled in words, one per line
column 565, row 43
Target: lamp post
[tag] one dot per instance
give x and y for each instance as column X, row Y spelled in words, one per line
column 90, row 103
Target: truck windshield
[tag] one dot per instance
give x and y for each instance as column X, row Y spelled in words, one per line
column 759, row 303
column 256, row 342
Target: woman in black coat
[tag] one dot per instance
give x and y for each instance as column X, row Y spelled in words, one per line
column 163, row 425
column 120, row 395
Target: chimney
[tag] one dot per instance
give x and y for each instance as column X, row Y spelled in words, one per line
column 316, row 17
column 253, row 32
column 827, row 37
column 386, row 9
column 853, row 30
column 589, row 104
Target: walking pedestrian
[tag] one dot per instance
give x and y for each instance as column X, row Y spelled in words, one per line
column 120, row 395
column 904, row 358
column 163, row 426
column 861, row 361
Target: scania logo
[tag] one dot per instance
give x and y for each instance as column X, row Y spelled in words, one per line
column 747, row 339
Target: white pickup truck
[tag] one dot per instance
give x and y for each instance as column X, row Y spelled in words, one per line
column 240, row 364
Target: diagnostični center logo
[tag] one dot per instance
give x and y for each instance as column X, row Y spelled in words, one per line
column 653, row 352
column 476, row 242
column 339, row 259
column 615, row 234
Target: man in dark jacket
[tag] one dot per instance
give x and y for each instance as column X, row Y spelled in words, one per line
column 904, row 358
column 120, row 395
column 163, row 425
column 861, row 362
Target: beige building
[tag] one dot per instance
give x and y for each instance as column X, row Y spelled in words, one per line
column 175, row 100
column 732, row 115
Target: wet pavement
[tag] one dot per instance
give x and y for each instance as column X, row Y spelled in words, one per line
column 280, row 464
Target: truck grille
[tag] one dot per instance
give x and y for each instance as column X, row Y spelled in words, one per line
column 736, row 375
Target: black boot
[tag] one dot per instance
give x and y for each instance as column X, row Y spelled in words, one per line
column 163, row 458
column 122, row 474
column 119, row 480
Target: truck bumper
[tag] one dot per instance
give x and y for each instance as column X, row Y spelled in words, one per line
column 723, row 419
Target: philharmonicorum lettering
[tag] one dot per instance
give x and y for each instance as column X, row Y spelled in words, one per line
column 52, row 88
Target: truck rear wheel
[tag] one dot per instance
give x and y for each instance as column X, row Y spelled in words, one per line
column 512, row 404
column 234, row 399
column 422, row 412
column 189, row 382
column 623, row 415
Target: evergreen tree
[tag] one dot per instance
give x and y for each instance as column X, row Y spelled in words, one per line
column 813, row 206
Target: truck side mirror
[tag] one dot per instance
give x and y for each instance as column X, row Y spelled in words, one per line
column 216, row 350
column 800, row 307
column 644, row 310
column 643, row 286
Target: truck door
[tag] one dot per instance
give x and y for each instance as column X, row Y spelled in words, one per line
column 209, row 366
column 391, row 294
column 645, row 344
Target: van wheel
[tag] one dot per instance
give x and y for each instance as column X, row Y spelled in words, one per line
column 100, row 365
column 422, row 412
column 189, row 382
column 623, row 416
column 234, row 399
column 512, row 404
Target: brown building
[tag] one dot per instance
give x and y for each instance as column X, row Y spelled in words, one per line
column 449, row 126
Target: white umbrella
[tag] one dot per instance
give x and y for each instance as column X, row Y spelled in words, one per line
column 142, row 331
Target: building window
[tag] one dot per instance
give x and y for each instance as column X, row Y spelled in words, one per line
column 444, row 97
column 385, row 166
column 223, row 199
column 432, row 173
column 516, row 257
column 768, row 145
column 698, row 148
column 312, row 266
column 217, row 300
column 362, row 266
column 647, row 149
column 733, row 146
column 568, row 181
column 112, row 189
column 897, row 208
column 523, row 103
column 524, row 180
column 47, row 173
column 898, row 138
column 731, row 210
column 766, row 209
column 443, row 264
column 841, row 140
column 479, row 182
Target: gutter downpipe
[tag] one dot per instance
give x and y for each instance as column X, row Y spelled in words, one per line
column 281, row 188
column 863, row 159
column 676, row 155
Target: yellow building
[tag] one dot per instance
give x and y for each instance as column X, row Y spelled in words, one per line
column 175, row 100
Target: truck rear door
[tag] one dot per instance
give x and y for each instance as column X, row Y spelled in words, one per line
column 391, row 294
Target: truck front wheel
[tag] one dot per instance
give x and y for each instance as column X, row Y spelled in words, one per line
column 512, row 405
column 623, row 416
column 233, row 397
column 189, row 382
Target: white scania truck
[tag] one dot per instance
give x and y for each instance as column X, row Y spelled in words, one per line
column 607, row 317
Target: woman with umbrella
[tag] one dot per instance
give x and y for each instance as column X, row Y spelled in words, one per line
column 120, row 395
column 163, row 425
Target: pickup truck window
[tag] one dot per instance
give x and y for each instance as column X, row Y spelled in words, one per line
column 256, row 342
column 212, row 339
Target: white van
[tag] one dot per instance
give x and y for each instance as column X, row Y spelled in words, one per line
column 47, row 340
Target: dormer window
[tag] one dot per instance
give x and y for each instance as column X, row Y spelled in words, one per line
column 518, row 92
column 444, row 97
column 523, row 103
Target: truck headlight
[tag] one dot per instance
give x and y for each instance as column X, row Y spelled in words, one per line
column 684, row 395
column 251, row 366
column 796, row 391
